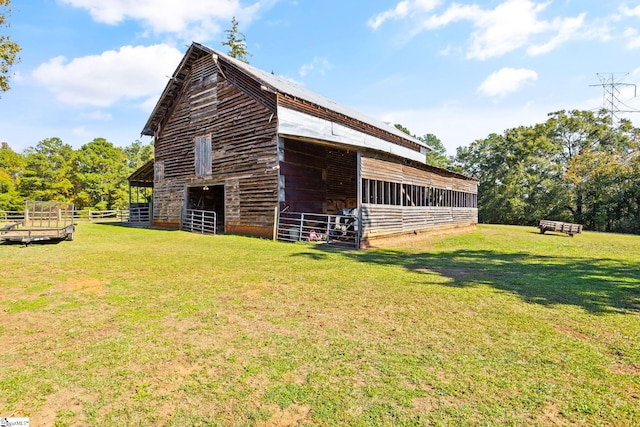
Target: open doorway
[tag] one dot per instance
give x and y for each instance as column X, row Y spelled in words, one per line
column 209, row 198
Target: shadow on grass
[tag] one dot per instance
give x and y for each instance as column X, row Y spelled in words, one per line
column 133, row 225
column 597, row 285
column 32, row 243
column 316, row 256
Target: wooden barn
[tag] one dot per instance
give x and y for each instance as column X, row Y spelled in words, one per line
column 265, row 157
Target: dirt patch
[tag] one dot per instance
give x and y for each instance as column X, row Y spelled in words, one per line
column 550, row 416
column 567, row 330
column 289, row 416
column 256, row 290
column 68, row 403
column 84, row 284
column 424, row 404
column 624, row 369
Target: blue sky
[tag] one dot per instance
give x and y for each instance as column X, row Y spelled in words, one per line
column 460, row 70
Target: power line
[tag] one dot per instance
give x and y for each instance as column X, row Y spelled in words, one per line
column 612, row 84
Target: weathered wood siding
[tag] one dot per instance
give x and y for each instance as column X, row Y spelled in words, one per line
column 388, row 219
column 396, row 171
column 242, row 130
column 379, row 220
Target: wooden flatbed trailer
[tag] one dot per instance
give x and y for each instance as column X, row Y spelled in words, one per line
column 43, row 221
column 561, row 227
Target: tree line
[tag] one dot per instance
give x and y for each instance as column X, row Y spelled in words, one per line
column 92, row 177
column 578, row 166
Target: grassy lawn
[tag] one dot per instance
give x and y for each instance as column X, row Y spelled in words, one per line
column 500, row 326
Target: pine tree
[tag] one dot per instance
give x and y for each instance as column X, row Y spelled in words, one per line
column 236, row 42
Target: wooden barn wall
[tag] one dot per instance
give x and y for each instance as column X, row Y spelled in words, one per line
column 396, row 171
column 379, row 220
column 318, row 178
column 244, row 150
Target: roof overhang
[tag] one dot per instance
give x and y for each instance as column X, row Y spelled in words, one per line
column 143, row 176
column 297, row 124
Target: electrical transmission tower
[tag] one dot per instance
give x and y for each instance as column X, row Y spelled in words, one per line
column 612, row 86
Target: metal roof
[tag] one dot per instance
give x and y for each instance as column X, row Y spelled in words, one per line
column 143, row 176
column 270, row 81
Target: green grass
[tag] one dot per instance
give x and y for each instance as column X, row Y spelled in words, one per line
column 501, row 326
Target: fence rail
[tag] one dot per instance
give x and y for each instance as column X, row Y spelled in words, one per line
column 120, row 215
column 199, row 221
column 11, row 216
column 139, row 215
column 335, row 230
column 133, row 215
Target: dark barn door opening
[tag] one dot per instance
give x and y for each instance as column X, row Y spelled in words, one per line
column 208, row 198
column 318, row 178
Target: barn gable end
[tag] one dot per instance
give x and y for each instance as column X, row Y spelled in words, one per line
column 242, row 152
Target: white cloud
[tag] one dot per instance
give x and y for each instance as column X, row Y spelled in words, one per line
column 199, row 18
column 101, row 80
column 98, row 116
column 455, row 12
column 81, row 132
column 566, row 30
column 402, row 10
column 633, row 38
column 627, row 11
column 506, row 81
column 319, row 65
column 511, row 25
column 506, row 28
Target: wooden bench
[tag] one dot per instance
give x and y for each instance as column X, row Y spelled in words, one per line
column 561, row 227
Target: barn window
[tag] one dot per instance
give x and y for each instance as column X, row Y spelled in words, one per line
column 203, row 155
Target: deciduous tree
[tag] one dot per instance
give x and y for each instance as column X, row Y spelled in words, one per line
column 11, row 170
column 575, row 167
column 100, row 173
column 8, row 48
column 47, row 174
column 138, row 154
column 438, row 156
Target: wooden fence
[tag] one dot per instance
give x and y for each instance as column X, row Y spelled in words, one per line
column 137, row 215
